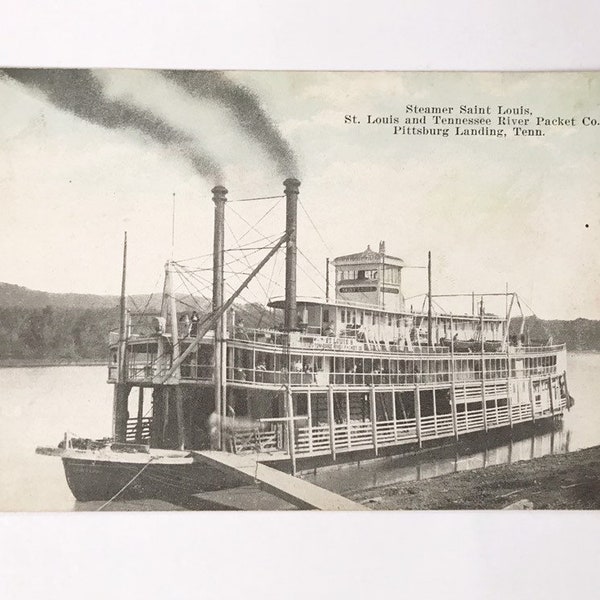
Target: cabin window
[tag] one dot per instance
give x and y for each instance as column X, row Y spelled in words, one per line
column 362, row 317
column 326, row 315
column 343, row 316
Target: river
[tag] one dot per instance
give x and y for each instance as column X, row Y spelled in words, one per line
column 39, row 404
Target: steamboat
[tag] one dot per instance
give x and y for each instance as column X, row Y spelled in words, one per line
column 344, row 378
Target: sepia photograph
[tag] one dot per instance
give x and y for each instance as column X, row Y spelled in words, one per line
column 294, row 290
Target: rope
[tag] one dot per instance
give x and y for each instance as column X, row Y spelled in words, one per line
column 127, row 484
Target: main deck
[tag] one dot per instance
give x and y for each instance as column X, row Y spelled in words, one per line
column 305, row 395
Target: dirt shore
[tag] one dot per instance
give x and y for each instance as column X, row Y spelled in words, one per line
column 566, row 481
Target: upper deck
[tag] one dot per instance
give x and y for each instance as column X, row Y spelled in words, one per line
column 270, row 358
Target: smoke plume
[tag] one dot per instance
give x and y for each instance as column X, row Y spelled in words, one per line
column 245, row 107
column 78, row 92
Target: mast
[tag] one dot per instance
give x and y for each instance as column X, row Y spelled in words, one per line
column 429, row 301
column 219, row 198
column 122, row 377
column 120, row 414
column 291, row 221
column 327, row 280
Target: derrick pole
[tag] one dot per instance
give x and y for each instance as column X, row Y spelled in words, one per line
column 121, row 392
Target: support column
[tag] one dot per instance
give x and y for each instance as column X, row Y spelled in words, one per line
column 140, row 416
column 310, row 423
column 551, row 395
column 418, row 415
column 158, row 412
column 531, row 399
column 331, row 420
column 290, row 427
column 120, row 412
column 178, row 401
column 349, row 438
column 373, row 411
column 454, row 418
column 509, row 402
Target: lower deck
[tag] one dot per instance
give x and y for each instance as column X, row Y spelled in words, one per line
column 338, row 420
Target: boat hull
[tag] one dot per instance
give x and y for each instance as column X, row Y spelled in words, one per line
column 91, row 480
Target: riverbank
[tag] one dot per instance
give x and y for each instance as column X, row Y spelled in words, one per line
column 17, row 363
column 565, row 481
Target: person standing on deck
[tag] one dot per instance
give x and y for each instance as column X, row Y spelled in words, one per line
column 194, row 323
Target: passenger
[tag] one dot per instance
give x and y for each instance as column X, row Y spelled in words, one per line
column 298, row 366
column 261, row 369
column 194, row 323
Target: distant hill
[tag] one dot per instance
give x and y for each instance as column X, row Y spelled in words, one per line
column 16, row 296
column 74, row 327
column 579, row 334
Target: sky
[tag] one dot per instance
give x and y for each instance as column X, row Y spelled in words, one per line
column 492, row 211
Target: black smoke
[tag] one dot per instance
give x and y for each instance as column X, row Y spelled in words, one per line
column 246, row 109
column 77, row 91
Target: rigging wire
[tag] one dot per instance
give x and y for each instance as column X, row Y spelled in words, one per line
column 259, row 198
column 315, row 227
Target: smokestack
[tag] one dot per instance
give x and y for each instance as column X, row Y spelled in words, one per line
column 219, row 198
column 291, row 220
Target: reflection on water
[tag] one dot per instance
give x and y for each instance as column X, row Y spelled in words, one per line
column 526, row 443
column 38, row 405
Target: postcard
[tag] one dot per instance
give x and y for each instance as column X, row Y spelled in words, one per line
column 254, row 290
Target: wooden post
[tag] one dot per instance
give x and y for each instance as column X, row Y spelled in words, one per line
column 331, row 419
column 120, row 412
column 349, row 438
column 373, row 408
column 551, row 395
column 121, row 389
column 509, row 402
column 567, row 397
column 290, row 425
column 429, row 302
column 310, row 423
column 483, row 373
column 140, row 416
column 483, row 402
column 418, row 415
column 394, row 415
column 452, row 379
column 326, row 282
column 531, row 399
column 454, row 417
column 176, row 390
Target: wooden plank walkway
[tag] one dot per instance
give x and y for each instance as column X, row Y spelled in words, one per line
column 294, row 490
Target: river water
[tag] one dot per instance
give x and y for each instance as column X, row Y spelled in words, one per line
column 37, row 405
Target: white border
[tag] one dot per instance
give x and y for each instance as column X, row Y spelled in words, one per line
column 427, row 555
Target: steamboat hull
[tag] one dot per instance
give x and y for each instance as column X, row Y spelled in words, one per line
column 100, row 480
